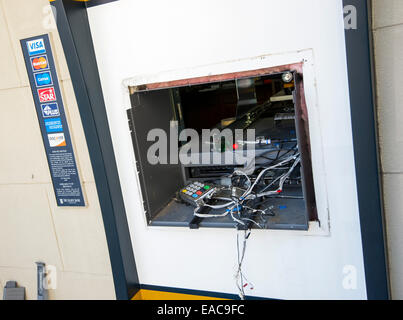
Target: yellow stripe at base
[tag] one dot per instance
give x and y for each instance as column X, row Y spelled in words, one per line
column 145, row 294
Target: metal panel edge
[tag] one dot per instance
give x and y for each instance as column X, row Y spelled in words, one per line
column 75, row 34
column 363, row 118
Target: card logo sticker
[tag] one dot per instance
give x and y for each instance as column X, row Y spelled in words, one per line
column 36, row 46
column 53, row 125
column 51, row 116
column 40, row 63
column 50, row 110
column 57, row 140
column 47, row 94
column 43, row 79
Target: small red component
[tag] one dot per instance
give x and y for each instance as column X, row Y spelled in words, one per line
column 235, row 146
column 279, row 191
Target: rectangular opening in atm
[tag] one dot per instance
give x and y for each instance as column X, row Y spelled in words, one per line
column 192, row 176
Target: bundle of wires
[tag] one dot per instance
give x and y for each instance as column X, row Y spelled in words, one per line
column 240, row 277
column 236, row 205
column 254, row 188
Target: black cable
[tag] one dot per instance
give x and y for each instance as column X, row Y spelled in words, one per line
column 278, row 151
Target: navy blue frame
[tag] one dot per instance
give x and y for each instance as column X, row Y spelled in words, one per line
column 363, row 120
column 75, row 34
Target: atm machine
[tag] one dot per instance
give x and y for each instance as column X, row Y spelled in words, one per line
column 298, row 219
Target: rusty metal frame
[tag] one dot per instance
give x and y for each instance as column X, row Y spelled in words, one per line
column 296, row 67
column 302, row 125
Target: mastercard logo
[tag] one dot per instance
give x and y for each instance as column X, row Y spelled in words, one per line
column 39, row 63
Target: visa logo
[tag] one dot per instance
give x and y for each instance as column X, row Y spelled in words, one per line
column 35, row 47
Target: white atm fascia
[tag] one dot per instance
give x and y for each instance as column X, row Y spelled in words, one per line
column 143, row 43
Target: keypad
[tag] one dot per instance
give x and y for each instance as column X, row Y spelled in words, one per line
column 196, row 189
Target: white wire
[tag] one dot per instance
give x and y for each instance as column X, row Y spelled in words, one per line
column 239, row 276
column 255, row 210
column 247, row 192
column 282, row 180
column 235, row 219
column 247, row 219
column 219, row 206
column 232, row 215
column 202, row 215
column 238, row 172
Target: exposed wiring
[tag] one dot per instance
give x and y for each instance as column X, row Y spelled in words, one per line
column 238, row 203
column 247, row 192
column 239, row 276
column 282, row 180
column 253, row 189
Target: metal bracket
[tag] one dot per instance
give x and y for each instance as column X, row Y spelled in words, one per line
column 41, row 275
